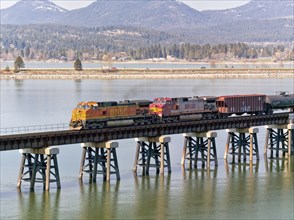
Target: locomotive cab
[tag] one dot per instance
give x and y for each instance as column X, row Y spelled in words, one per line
column 81, row 113
column 162, row 106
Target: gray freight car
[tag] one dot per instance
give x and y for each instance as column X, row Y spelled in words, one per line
column 283, row 101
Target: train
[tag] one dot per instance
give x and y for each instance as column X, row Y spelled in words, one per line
column 94, row 115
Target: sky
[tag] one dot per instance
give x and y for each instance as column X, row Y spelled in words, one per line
column 197, row 4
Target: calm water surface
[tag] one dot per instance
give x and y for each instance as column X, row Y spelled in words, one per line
column 263, row 190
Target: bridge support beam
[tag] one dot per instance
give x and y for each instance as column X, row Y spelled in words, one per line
column 242, row 143
column 37, row 165
column 156, row 148
column 199, row 143
column 279, row 140
column 99, row 158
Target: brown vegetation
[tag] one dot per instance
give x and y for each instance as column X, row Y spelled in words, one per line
column 149, row 74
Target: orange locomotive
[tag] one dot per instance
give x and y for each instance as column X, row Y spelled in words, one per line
column 91, row 115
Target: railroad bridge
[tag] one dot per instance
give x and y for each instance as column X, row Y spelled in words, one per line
column 39, row 156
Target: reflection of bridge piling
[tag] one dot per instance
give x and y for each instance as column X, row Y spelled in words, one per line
column 242, row 143
column 199, row 143
column 47, row 204
column 98, row 200
column 149, row 188
column 155, row 148
column 36, row 166
column 99, row 158
column 242, row 167
column 279, row 164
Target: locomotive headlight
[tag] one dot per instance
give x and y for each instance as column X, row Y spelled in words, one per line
column 154, row 109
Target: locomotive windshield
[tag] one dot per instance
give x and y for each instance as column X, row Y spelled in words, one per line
column 162, row 101
column 83, row 106
column 157, row 101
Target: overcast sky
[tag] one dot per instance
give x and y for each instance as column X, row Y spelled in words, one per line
column 197, row 4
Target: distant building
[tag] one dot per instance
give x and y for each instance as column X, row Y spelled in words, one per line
column 170, row 58
column 120, row 56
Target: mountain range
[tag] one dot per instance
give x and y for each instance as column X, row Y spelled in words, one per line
column 254, row 10
column 32, row 12
column 254, row 18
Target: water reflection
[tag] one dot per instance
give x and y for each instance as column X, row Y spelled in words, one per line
column 38, row 205
column 19, row 84
column 279, row 164
column 199, row 193
column 199, row 173
column 242, row 187
column 78, row 85
column 19, row 89
column 240, row 167
column 152, row 196
column 99, row 200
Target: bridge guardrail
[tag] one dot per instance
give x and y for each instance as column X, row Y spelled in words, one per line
column 33, row 128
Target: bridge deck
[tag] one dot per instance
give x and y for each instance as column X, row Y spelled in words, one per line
column 53, row 138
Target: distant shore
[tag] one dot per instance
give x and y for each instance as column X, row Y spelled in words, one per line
column 147, row 74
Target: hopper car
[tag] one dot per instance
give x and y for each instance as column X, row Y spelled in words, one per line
column 93, row 115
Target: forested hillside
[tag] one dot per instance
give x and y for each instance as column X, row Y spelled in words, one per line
column 45, row 42
column 55, row 41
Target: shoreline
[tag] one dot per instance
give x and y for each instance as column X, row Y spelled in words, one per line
column 69, row 74
column 178, row 61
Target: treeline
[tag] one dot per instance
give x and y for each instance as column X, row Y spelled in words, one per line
column 192, row 52
column 45, row 42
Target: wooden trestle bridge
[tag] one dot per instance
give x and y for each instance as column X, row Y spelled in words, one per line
column 39, row 151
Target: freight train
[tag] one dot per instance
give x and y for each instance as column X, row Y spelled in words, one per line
column 93, row 115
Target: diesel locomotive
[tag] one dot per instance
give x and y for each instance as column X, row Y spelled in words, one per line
column 92, row 115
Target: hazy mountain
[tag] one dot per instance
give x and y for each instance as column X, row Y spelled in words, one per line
column 258, row 21
column 276, row 30
column 160, row 15
column 254, row 10
column 31, row 12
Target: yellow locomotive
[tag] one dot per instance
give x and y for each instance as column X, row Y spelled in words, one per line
column 91, row 115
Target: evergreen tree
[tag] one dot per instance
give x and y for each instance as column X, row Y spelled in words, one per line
column 78, row 65
column 7, row 69
column 18, row 64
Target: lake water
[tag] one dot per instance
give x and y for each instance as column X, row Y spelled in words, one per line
column 261, row 191
column 149, row 65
